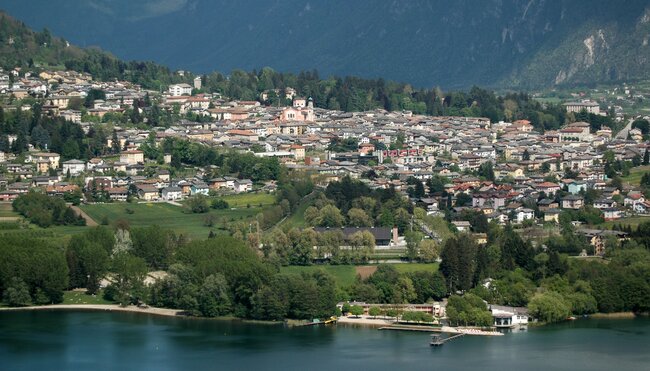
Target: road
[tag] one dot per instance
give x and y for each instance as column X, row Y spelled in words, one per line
column 623, row 133
column 428, row 231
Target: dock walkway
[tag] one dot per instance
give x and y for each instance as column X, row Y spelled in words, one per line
column 444, row 329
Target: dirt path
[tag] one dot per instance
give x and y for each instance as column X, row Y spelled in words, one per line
column 89, row 221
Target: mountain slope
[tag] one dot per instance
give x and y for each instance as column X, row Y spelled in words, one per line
column 22, row 47
column 516, row 43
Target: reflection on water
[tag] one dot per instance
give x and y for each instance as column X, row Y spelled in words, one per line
column 99, row 340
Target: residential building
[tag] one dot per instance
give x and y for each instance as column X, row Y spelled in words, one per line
column 132, row 157
column 73, row 167
column 177, row 90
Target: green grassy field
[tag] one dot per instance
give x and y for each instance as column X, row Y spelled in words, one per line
column 636, row 174
column 7, row 211
column 168, row 216
column 345, row 275
column 146, row 214
column 78, row 297
column 631, row 221
column 415, row 267
column 297, row 219
column 253, row 199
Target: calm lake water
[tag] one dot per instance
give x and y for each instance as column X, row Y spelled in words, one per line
column 62, row 340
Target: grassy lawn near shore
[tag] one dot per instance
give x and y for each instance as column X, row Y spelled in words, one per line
column 345, row 275
column 80, row 297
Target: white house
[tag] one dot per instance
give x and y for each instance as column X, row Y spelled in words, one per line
column 51, row 158
column 199, row 188
column 642, row 207
column 243, row 185
column 461, row 225
column 74, row 167
column 172, row 193
column 633, row 198
column 508, row 317
column 525, row 214
column 611, row 213
column 177, row 90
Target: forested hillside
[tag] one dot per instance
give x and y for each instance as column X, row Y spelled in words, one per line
column 452, row 44
column 22, row 47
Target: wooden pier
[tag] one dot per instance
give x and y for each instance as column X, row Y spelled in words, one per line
column 411, row 328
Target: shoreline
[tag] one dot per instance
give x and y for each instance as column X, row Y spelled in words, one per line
column 364, row 321
column 153, row 311
column 164, row 312
column 361, row 321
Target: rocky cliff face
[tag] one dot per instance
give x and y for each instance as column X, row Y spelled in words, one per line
column 515, row 43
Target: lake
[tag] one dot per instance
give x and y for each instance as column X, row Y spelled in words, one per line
column 80, row 340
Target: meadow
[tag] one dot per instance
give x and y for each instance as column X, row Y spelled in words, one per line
column 346, row 275
column 170, row 216
column 636, row 174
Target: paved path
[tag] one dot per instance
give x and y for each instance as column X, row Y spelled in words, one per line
column 623, row 133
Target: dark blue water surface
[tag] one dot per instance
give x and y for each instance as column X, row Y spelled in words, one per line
column 78, row 340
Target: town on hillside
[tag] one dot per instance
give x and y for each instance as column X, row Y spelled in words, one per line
column 506, row 171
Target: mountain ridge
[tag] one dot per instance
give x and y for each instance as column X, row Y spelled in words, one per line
column 497, row 43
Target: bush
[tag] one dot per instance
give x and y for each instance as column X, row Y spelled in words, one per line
column 17, row 294
column 417, row 317
column 198, row 204
column 219, row 204
column 391, row 313
column 549, row 307
column 468, row 310
column 374, row 311
column 208, row 220
column 356, row 310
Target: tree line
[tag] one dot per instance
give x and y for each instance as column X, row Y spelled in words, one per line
column 46, row 211
column 510, row 271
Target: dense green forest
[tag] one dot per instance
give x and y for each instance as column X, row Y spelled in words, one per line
column 22, row 47
column 222, row 276
column 231, row 275
column 45, row 211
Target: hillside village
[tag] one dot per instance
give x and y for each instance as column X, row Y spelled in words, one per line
column 507, row 171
